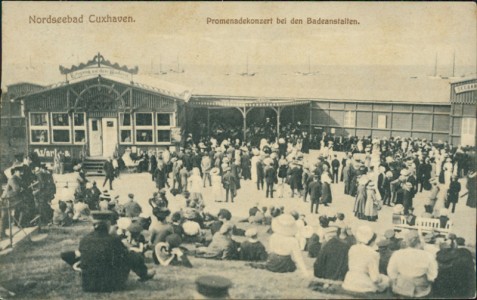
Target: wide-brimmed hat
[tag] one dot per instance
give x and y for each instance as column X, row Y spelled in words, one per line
column 189, row 213
column 405, row 172
column 124, row 223
column 364, row 234
column 389, row 234
column 215, row 171
column 285, row 225
column 251, row 232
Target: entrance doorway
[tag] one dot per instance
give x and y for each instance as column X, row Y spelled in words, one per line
column 103, row 136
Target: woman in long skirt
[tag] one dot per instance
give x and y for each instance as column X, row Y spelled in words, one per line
column 360, row 200
column 282, row 174
column 326, row 196
column 371, row 206
column 217, row 189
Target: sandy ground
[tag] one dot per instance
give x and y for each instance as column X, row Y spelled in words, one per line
column 142, row 186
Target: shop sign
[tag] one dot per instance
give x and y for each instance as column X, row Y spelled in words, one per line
column 465, row 88
column 99, row 71
column 45, row 152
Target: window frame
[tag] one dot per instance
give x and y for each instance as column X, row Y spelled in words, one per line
column 164, row 127
column 129, row 128
column 144, row 127
column 79, row 127
column 40, row 127
column 385, row 121
column 61, row 127
column 347, row 119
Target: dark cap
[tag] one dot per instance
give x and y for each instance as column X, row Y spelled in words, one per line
column 225, row 213
column 102, row 215
column 174, row 240
column 213, row 286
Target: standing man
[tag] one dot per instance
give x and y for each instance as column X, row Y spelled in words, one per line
column 270, row 177
column 335, row 166
column 108, row 172
column 314, row 189
column 228, row 182
column 206, row 165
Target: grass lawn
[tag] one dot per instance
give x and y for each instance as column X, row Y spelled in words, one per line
column 40, row 263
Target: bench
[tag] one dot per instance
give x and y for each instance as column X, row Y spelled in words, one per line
column 424, row 224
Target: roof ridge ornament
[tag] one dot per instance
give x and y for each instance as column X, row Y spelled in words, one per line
column 98, row 60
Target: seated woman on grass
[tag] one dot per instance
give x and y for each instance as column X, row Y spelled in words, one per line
column 284, row 250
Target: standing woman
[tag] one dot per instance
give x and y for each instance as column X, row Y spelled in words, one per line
column 217, row 189
column 471, row 189
column 282, row 174
column 360, row 200
column 372, row 203
column 195, row 185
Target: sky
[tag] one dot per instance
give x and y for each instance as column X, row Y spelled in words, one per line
column 388, row 34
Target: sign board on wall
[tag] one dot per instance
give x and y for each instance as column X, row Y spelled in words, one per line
column 99, row 71
column 465, row 88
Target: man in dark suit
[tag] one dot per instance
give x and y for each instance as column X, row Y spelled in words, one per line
column 270, row 178
column 229, row 184
column 335, row 166
column 108, row 172
column 314, row 189
column 104, row 260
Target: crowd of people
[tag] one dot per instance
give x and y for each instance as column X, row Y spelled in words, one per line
column 381, row 173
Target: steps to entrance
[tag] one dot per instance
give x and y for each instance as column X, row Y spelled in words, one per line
column 93, row 166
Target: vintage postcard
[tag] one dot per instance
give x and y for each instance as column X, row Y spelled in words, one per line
column 240, row 150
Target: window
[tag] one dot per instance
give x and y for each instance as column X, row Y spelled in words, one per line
column 39, row 128
column 125, row 128
column 79, row 128
column 60, row 128
column 350, row 119
column 382, row 119
column 163, row 119
column 163, row 136
column 468, row 126
column 164, row 122
column 144, row 128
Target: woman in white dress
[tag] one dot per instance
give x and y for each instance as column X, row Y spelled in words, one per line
column 217, row 189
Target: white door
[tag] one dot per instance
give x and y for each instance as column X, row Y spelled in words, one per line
column 110, row 136
column 95, row 138
column 468, row 132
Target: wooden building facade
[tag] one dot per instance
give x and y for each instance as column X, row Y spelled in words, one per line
column 99, row 116
column 103, row 108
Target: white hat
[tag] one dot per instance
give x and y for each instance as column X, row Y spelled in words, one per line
column 285, row 225
column 251, row 232
column 364, row 234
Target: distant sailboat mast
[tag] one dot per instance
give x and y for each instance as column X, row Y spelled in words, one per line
column 435, row 66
